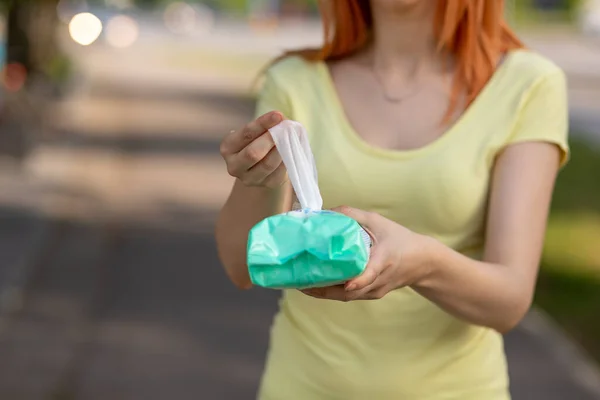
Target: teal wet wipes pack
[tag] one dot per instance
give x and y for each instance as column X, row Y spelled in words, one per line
column 309, row 247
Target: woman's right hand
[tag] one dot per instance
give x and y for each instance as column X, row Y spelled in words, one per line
column 251, row 155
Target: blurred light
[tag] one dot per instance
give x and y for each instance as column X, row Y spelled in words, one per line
column 15, row 76
column 122, row 31
column 590, row 17
column 206, row 18
column 85, row 28
column 182, row 18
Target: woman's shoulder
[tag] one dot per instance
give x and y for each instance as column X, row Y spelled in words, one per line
column 530, row 67
column 290, row 84
column 293, row 68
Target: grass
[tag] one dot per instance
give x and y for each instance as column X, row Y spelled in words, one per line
column 569, row 282
column 525, row 17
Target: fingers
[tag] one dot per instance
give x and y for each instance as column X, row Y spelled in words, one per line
column 376, row 290
column 238, row 140
column 317, row 293
column 337, row 293
column 364, row 218
column 250, row 153
column 263, row 170
column 277, row 178
column 367, row 278
column 328, row 293
column 377, row 264
column 268, row 163
column 253, row 154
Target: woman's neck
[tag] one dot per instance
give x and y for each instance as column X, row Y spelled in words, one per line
column 403, row 38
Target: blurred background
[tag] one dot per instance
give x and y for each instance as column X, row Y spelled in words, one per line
column 111, row 113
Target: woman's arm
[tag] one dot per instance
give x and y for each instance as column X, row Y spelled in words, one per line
column 496, row 292
column 245, row 207
column 499, row 291
column 260, row 190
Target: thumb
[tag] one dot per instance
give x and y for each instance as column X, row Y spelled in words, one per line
column 362, row 217
column 375, row 266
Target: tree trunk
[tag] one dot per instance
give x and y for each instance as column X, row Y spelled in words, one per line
column 31, row 39
column 30, row 43
column 17, row 40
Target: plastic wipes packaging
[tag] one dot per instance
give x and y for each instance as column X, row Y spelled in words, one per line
column 310, row 247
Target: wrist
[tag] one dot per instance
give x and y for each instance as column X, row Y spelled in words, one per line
column 429, row 251
column 278, row 198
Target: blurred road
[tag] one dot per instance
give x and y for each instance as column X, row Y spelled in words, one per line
column 123, row 297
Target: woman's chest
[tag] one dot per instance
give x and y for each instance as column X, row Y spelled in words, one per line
column 438, row 191
column 401, row 117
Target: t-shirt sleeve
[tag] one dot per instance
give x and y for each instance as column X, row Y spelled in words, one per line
column 544, row 115
column 272, row 96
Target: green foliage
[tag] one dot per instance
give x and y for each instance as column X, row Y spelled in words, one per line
column 578, row 186
column 573, row 300
column 526, row 12
column 569, row 282
column 573, row 5
column 59, row 69
column 233, row 6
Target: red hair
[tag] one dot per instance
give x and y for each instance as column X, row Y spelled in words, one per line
column 474, row 32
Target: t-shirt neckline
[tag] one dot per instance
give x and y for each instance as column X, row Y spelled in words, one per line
column 349, row 131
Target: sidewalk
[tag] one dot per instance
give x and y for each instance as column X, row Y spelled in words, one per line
column 21, row 234
column 23, row 231
column 546, row 364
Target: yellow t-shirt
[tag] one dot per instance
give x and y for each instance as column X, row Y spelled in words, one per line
column 403, row 346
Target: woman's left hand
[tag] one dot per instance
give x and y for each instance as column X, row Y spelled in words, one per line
column 398, row 259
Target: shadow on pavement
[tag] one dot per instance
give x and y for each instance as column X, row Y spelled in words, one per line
column 227, row 103
column 138, row 143
column 142, row 309
column 133, row 312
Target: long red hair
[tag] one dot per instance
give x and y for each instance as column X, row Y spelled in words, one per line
column 474, row 32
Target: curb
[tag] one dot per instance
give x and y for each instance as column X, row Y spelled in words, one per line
column 580, row 366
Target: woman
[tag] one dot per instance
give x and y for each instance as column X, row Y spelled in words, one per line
column 445, row 136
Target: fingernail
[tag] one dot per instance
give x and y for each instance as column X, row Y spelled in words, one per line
column 351, row 287
column 276, row 117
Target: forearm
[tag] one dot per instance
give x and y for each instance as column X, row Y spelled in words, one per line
column 492, row 295
column 244, row 208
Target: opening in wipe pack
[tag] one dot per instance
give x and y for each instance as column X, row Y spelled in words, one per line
column 310, row 247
